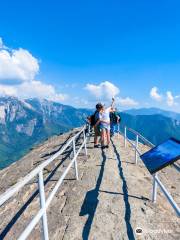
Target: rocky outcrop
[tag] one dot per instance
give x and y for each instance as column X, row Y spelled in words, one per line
column 28, row 128
column 109, row 201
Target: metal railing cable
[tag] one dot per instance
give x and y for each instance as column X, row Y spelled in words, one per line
column 147, row 142
column 38, row 171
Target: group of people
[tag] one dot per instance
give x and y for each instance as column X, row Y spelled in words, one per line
column 105, row 122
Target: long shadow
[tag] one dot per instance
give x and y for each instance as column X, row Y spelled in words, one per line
column 128, row 162
column 91, row 201
column 132, row 196
column 15, row 218
column 127, row 216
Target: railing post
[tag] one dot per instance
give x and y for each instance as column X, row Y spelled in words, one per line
column 85, row 147
column 136, row 154
column 89, row 132
column 75, row 161
column 125, row 137
column 154, row 194
column 43, row 205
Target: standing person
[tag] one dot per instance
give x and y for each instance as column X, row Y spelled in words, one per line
column 104, row 125
column 115, row 120
column 95, row 120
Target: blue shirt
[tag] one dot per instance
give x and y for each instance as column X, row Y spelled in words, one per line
column 96, row 116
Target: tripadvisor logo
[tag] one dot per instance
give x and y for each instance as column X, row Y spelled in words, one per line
column 139, row 231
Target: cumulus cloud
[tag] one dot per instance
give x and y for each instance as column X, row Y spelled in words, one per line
column 7, row 90
column 104, row 91
column 155, row 95
column 170, row 98
column 18, row 69
column 33, row 89
column 126, row 102
column 17, row 65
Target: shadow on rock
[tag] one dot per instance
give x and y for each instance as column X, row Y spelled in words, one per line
column 91, row 201
column 127, row 216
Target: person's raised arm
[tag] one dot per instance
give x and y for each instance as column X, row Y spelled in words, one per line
column 112, row 105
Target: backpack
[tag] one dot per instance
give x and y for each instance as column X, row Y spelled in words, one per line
column 92, row 119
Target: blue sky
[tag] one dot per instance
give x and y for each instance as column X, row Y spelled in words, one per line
column 85, row 47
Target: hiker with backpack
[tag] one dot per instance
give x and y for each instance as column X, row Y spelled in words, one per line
column 94, row 121
column 115, row 120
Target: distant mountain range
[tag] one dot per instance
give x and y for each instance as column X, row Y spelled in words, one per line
column 156, row 128
column 152, row 111
column 26, row 123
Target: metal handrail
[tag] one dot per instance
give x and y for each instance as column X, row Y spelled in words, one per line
column 147, row 142
column 44, row 203
column 156, row 180
column 10, row 192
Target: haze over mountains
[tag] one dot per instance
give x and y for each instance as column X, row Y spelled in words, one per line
column 26, row 123
column 152, row 111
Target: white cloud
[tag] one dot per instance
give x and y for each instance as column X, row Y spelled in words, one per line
column 170, row 99
column 18, row 69
column 81, row 102
column 17, row 65
column 33, row 89
column 155, row 95
column 126, row 102
column 2, row 46
column 104, row 91
column 8, row 90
